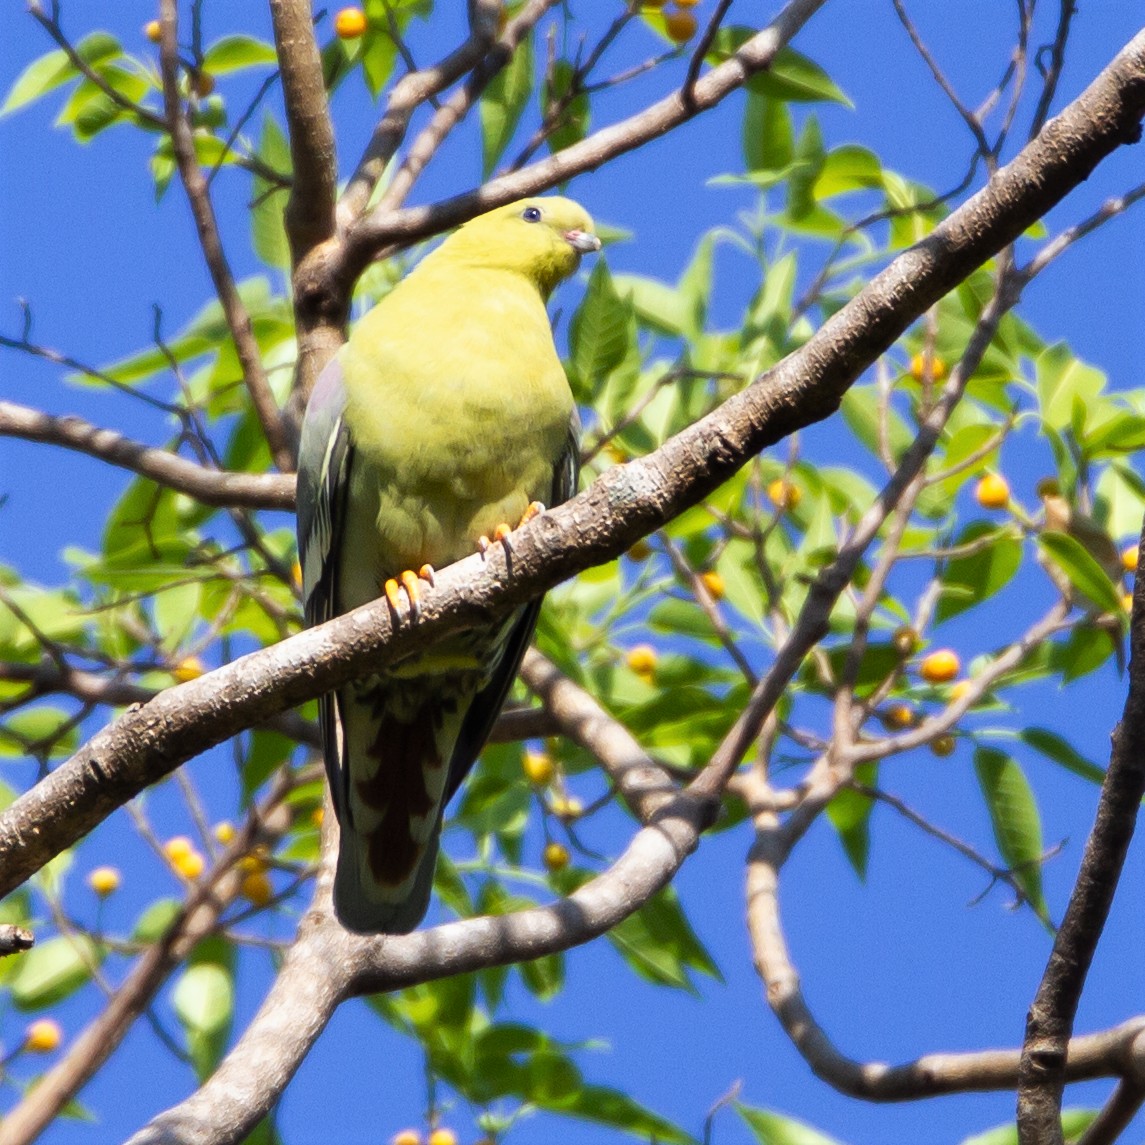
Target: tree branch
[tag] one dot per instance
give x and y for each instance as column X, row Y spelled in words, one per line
column 199, row 196
column 1051, row 1016
column 626, row 503
column 208, row 486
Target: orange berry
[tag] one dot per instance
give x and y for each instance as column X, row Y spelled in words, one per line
column 642, row 660
column 714, row 583
column 317, row 815
column 943, row 745
column 905, row 640
column 442, row 1136
column 296, row 574
column 1129, row 558
column 898, row 716
column 556, row 857
column 349, row 23
column 202, row 84
column 256, row 888
column 153, row 31
column 640, row 551
column 784, row 495
column 104, row 881
column 189, row 668
column 940, row 667
column 992, row 492
column 680, row 26
column 406, row 1137
column 42, row 1036
column 687, row 3
column 538, row 767
column 919, row 364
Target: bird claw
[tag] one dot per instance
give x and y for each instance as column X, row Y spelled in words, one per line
column 503, row 531
column 408, row 582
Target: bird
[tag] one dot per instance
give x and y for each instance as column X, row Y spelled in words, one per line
column 444, row 420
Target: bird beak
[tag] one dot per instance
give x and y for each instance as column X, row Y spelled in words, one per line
column 582, row 241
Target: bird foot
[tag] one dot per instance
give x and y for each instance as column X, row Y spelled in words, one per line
column 503, row 531
column 409, row 583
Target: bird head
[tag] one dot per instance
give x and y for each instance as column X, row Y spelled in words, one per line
column 541, row 238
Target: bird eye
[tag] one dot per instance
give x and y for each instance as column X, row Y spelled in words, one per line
column 531, row 214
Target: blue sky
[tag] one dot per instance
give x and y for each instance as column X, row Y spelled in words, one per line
column 895, row 967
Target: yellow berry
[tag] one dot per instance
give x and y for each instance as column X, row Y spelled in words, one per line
column 442, row 1136
column 538, row 767
column 296, row 574
column 178, row 848
column 190, row 866
column 959, row 689
column 42, row 1036
column 406, row 1137
column 567, row 807
column 1129, row 558
column 940, row 667
column 256, row 888
column 225, row 833
column 680, row 26
column 189, row 668
column 153, row 31
column 943, row 745
column 316, row 816
column 640, row 551
column 992, row 492
column 905, row 640
column 642, row 660
column 104, row 881
column 714, row 583
column 784, row 495
column 349, row 23
column 919, row 364
column 898, row 716
column 255, row 861
column 1127, row 601
column 556, row 858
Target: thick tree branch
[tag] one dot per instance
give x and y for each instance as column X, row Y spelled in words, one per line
column 310, row 208
column 1051, row 1016
column 626, row 503
column 209, row 486
column 199, row 197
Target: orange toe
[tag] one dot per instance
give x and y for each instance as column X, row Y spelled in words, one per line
column 535, row 509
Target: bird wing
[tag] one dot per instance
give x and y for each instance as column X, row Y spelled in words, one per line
column 486, row 706
column 325, row 456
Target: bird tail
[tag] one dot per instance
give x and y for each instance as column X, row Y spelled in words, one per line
column 396, row 745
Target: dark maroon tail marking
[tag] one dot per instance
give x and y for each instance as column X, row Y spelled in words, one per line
column 403, row 751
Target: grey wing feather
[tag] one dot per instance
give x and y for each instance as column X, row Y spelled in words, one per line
column 487, row 703
column 325, row 456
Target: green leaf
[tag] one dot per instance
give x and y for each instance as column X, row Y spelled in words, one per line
column 606, row 1106
column 601, row 332
column 968, row 580
column 1082, row 569
column 268, row 230
column 232, row 53
column 52, row 970
column 204, row 999
column 768, row 134
column 850, row 814
column 794, row 77
column 774, row 1129
column 573, row 124
column 1015, row 819
column 1061, row 751
column 42, row 75
column 41, row 727
column 658, row 942
column 849, row 168
column 501, row 105
column 1062, row 382
column 156, row 920
column 658, row 306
